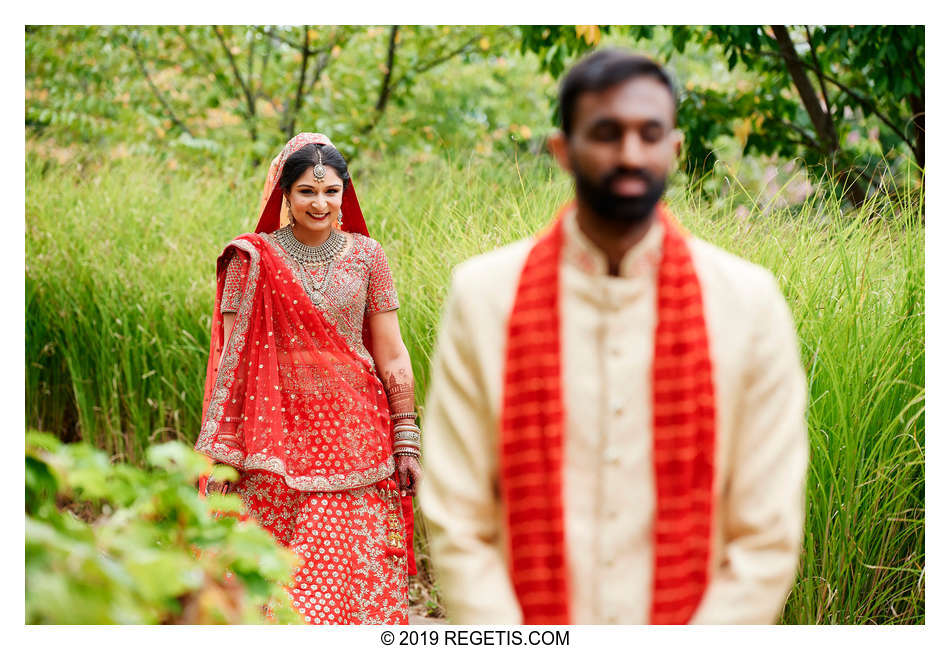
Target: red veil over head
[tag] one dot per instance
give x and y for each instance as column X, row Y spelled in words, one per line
column 273, row 210
column 289, row 395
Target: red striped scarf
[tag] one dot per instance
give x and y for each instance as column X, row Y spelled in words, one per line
column 532, row 433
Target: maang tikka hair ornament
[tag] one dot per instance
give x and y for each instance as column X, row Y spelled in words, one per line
column 272, row 198
column 319, row 171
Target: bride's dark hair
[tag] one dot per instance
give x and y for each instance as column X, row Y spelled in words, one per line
column 306, row 158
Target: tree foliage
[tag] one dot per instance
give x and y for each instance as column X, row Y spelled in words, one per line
column 206, row 87
column 839, row 95
column 837, row 98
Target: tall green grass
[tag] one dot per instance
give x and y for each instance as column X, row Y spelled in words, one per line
column 119, row 290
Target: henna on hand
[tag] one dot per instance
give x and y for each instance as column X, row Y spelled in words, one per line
column 410, row 474
column 222, row 487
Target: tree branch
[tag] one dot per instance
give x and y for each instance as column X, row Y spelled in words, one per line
column 418, row 69
column 291, row 115
column 917, row 105
column 155, row 91
column 250, row 63
column 821, row 78
column 323, row 60
column 286, row 41
column 216, row 72
column 807, row 138
column 269, row 42
column 248, row 96
column 385, row 88
column 819, row 118
column 428, row 65
column 198, row 56
column 866, row 103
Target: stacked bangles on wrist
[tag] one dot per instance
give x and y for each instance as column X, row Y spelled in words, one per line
column 407, row 438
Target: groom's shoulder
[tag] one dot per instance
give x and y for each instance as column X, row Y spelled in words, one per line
column 492, row 271
column 734, row 280
column 725, row 262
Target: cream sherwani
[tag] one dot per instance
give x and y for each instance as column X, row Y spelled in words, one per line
column 609, row 498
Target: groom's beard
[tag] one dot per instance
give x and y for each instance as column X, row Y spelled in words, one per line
column 628, row 210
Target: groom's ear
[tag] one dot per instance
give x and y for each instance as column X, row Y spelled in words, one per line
column 557, row 145
column 678, row 138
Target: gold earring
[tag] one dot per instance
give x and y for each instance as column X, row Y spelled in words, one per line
column 339, row 219
column 290, row 215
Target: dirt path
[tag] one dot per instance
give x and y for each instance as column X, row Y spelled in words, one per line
column 415, row 619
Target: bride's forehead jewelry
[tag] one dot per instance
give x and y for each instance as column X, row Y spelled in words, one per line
column 319, row 171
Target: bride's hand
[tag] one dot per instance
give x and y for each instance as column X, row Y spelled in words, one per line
column 217, row 483
column 410, row 473
column 223, row 487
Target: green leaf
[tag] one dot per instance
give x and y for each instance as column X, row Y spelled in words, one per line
column 41, row 485
column 160, row 575
column 225, row 502
column 42, row 441
column 175, row 456
column 223, row 472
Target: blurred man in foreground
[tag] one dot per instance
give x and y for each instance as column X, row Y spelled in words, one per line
column 615, row 431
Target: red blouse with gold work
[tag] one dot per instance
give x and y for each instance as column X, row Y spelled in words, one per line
column 357, row 283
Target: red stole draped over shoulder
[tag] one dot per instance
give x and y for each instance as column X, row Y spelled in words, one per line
column 532, row 436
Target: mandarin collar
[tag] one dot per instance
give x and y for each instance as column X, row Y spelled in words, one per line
column 582, row 253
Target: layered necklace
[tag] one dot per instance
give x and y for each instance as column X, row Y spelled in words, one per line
column 311, row 255
column 308, row 258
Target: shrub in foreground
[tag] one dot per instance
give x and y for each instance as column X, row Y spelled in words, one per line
column 111, row 543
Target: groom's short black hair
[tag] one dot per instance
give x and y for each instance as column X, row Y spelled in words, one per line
column 601, row 70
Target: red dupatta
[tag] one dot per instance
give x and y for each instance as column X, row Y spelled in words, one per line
column 532, row 431
column 288, row 395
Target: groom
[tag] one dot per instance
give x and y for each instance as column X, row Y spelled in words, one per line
column 615, row 431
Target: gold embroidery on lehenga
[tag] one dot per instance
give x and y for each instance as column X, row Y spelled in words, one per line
column 346, row 573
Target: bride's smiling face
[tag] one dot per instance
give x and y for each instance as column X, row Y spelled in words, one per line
column 315, row 204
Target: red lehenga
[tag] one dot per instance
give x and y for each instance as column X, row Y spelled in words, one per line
column 295, row 404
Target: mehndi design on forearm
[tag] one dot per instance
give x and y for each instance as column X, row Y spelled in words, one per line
column 401, row 392
column 400, row 388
